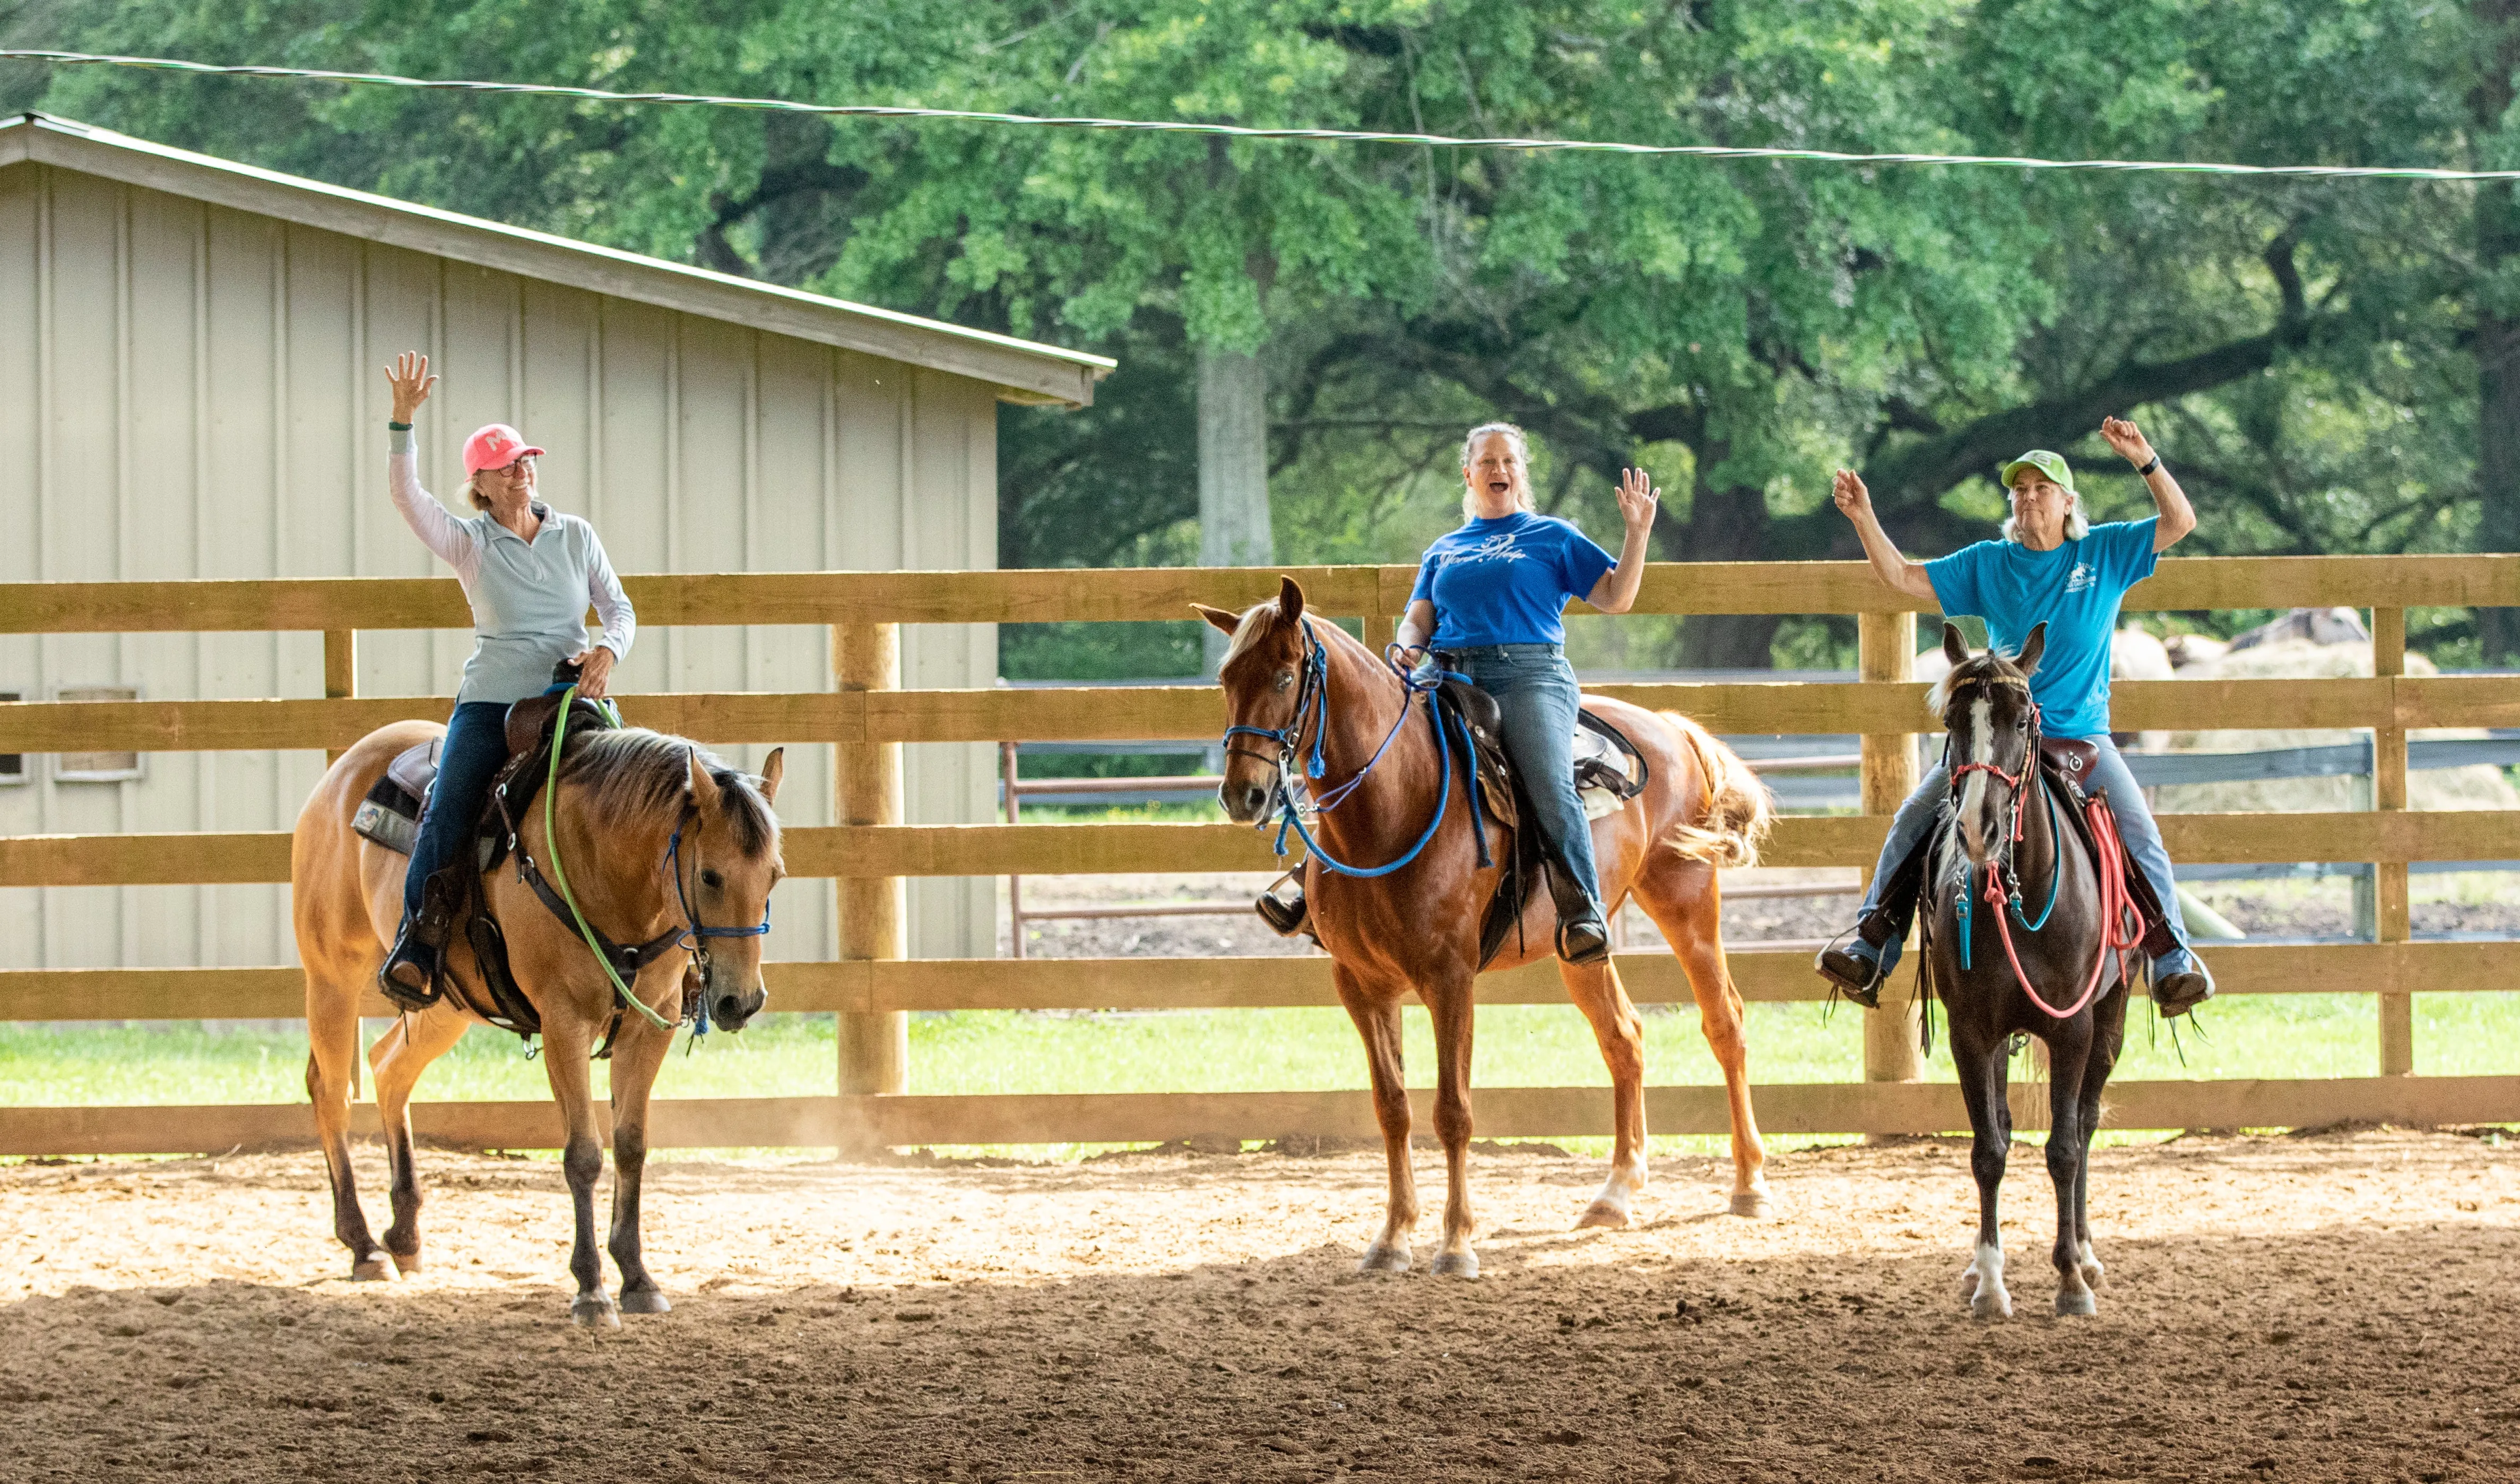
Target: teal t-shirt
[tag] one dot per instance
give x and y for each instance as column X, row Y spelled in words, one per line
column 2074, row 590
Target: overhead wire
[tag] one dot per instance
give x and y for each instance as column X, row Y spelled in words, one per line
column 1251, row 131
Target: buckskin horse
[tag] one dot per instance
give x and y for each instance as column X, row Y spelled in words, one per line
column 2013, row 842
column 1319, row 692
column 655, row 840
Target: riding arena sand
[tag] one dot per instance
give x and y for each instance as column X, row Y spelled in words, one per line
column 2332, row 1306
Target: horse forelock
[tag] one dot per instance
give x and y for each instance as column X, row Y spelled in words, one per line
column 1255, row 623
column 629, row 772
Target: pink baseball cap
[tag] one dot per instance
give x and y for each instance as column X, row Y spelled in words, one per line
column 494, row 447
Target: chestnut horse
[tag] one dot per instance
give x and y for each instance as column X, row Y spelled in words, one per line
column 2006, row 852
column 654, row 834
column 1417, row 927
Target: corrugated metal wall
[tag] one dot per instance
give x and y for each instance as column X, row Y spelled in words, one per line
column 192, row 392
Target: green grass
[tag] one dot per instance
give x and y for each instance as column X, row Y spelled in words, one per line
column 1008, row 1051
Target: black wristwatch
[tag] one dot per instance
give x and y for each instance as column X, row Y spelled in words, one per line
column 2145, row 472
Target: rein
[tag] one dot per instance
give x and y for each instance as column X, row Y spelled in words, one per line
column 1312, row 693
column 692, row 933
column 2116, row 903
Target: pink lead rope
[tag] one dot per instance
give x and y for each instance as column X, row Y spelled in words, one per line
column 2117, row 906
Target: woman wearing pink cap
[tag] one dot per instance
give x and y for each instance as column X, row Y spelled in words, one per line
column 529, row 573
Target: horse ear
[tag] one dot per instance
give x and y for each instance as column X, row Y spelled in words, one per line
column 1291, row 600
column 703, row 788
column 2032, row 648
column 1217, row 617
column 773, row 768
column 1954, row 648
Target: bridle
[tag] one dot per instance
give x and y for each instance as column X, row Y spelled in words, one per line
column 695, row 935
column 2003, row 879
column 1312, row 693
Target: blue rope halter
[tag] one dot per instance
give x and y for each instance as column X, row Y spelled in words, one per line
column 1313, row 694
column 694, row 931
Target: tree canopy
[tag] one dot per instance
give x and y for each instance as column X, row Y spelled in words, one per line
column 2307, row 353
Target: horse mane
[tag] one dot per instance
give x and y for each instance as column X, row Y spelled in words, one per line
column 630, row 769
column 1986, row 667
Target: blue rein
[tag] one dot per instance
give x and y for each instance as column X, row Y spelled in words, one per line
column 1313, row 694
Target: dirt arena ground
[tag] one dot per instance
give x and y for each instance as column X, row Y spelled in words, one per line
column 2323, row 1307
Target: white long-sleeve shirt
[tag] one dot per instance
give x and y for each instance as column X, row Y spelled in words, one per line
column 529, row 598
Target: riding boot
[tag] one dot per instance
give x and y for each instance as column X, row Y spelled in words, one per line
column 1286, row 912
column 1583, row 936
column 1859, row 967
column 411, row 974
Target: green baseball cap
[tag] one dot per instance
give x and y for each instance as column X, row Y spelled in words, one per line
column 2051, row 464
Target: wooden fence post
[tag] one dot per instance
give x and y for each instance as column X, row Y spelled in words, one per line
column 874, row 1045
column 341, row 673
column 1886, row 650
column 2390, row 914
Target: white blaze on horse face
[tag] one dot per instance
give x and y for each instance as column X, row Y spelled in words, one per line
column 1974, row 834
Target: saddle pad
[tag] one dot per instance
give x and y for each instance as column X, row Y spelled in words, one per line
column 389, row 815
column 1606, row 774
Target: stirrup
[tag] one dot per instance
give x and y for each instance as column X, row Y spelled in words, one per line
column 409, row 952
column 1584, row 940
column 1284, row 915
column 1848, row 974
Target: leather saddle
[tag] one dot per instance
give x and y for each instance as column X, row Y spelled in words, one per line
column 1606, row 762
column 389, row 815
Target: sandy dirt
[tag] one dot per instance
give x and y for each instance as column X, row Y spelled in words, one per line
column 2330, row 1307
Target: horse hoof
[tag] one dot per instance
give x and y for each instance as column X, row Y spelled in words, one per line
column 593, row 1311
column 370, row 1270
column 1752, row 1204
column 646, row 1301
column 408, row 1263
column 2082, row 1301
column 1990, row 1303
column 1380, row 1258
column 1604, row 1212
column 1459, row 1263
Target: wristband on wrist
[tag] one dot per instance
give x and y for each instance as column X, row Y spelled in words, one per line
column 2146, row 471
column 398, row 427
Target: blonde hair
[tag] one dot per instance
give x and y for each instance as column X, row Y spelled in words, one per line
column 1514, row 440
column 472, row 495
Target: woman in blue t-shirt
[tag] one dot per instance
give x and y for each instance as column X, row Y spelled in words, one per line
column 1487, row 605
column 2054, row 567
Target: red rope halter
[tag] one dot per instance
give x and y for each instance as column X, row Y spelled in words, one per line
column 2118, row 932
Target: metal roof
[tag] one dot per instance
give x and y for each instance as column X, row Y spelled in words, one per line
column 1024, row 371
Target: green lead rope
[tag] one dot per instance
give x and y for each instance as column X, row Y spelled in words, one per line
column 560, row 876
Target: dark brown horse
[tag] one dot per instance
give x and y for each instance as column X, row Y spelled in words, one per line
column 1418, row 928
column 654, row 834
column 2044, row 958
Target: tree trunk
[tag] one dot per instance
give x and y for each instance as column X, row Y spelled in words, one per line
column 2498, row 335
column 1728, row 524
column 1232, row 468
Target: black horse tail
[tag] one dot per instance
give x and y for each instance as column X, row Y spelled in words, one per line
column 1738, row 812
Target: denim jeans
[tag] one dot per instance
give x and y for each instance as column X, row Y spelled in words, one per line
column 477, row 744
column 1535, row 689
column 1916, row 819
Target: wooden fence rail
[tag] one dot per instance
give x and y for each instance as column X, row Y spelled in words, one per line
column 868, row 853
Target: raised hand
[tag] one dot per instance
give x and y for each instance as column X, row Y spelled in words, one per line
column 410, row 381
column 1638, row 498
column 2128, row 439
column 1854, row 501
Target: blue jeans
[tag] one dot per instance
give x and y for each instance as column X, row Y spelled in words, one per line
column 477, row 744
column 1534, row 689
column 1916, row 819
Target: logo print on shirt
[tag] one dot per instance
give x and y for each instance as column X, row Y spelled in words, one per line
column 2080, row 578
column 1496, row 547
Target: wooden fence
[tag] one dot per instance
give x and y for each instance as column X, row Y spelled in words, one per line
column 869, row 853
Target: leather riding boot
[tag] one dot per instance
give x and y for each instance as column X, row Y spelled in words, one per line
column 1286, row 913
column 410, row 975
column 2182, row 990
column 1583, row 936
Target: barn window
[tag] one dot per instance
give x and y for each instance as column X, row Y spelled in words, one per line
column 97, row 767
column 13, row 765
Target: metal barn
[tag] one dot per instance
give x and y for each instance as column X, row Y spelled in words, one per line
column 191, row 386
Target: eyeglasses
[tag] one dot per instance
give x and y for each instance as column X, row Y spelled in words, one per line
column 517, row 469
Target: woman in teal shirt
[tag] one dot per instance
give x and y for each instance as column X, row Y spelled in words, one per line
column 2052, row 567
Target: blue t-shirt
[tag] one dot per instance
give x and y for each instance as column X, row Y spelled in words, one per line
column 2074, row 590
column 1506, row 581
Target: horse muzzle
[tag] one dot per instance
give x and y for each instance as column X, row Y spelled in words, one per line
column 1245, row 803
